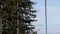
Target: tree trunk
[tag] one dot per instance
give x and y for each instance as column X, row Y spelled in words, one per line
column 17, row 22
column 0, row 25
column 17, row 27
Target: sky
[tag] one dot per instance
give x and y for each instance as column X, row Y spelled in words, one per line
column 53, row 16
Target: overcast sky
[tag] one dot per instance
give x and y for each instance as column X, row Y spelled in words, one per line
column 53, row 10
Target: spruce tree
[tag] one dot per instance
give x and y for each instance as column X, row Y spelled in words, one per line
column 17, row 16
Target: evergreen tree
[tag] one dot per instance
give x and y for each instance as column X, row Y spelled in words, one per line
column 17, row 16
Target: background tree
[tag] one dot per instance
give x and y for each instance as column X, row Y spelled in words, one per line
column 17, row 16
